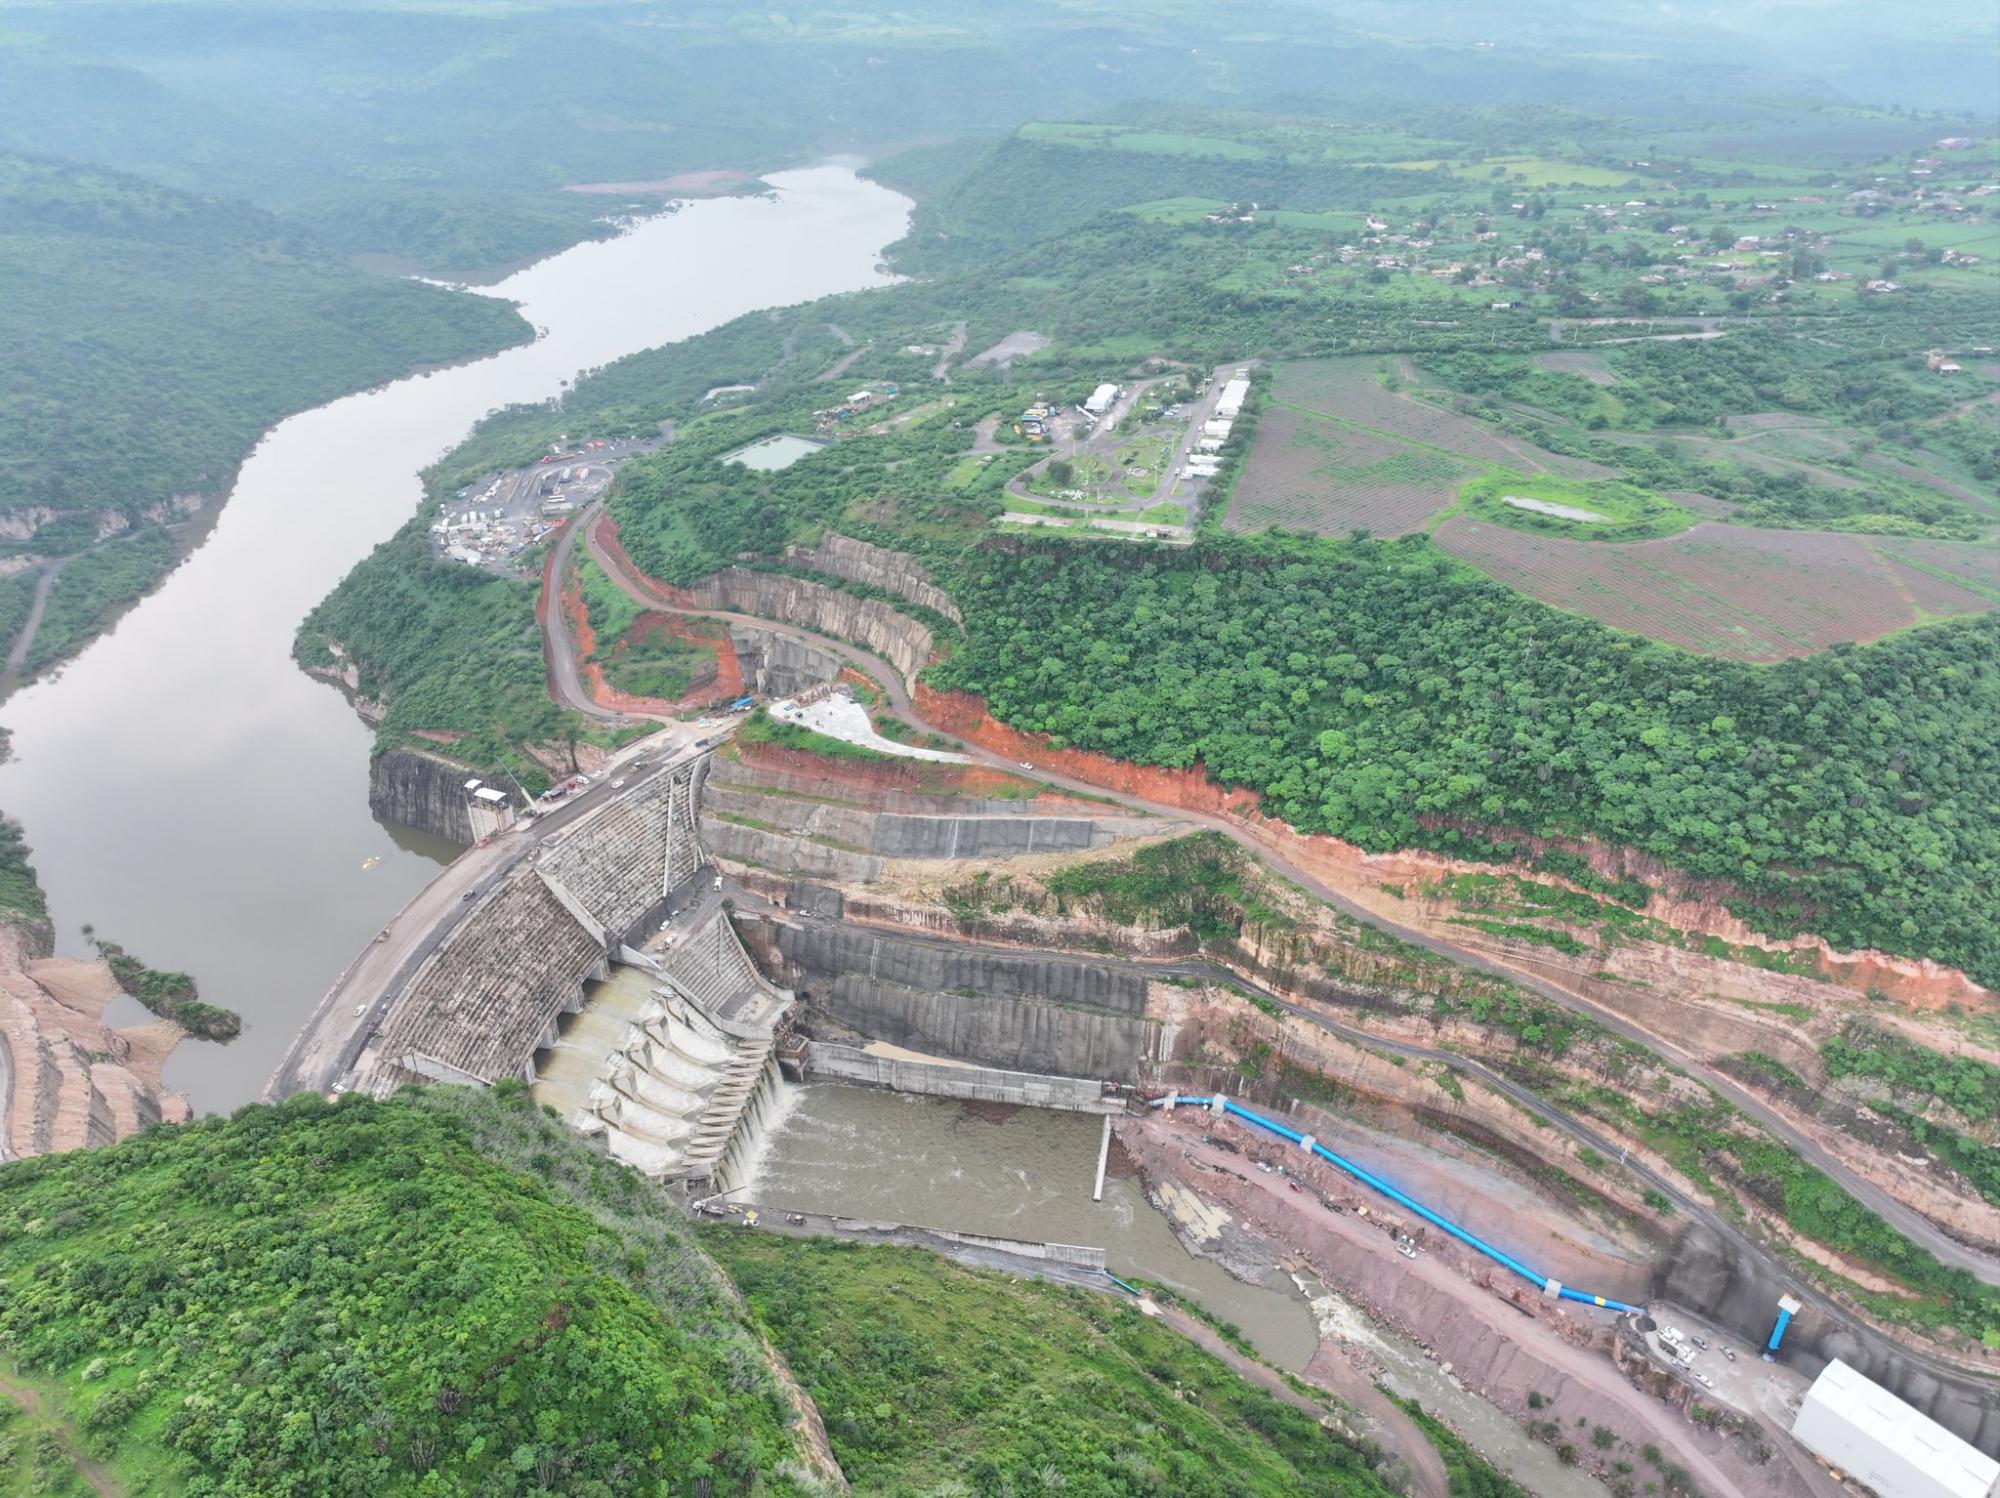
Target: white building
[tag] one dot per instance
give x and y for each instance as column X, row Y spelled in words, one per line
column 1230, row 403
column 1101, row 399
column 1856, row 1425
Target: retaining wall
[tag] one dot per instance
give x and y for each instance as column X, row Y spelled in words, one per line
column 839, row 1063
column 1031, row 1012
column 1730, row 1289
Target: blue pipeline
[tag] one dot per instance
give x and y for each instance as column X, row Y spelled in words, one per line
column 1128, row 1289
column 1778, row 1331
column 1376, row 1183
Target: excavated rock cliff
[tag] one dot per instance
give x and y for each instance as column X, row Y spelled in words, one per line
column 892, row 571
column 410, row 788
column 67, row 1079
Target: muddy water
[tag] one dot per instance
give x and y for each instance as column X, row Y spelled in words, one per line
column 187, row 789
column 930, row 1162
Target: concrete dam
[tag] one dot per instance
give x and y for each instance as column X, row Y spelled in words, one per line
column 666, row 1068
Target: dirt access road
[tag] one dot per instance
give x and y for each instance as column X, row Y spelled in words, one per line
column 1912, row 1224
column 29, row 1402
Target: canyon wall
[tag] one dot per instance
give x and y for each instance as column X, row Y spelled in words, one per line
column 1703, row 1273
column 409, row 788
column 892, row 571
column 1029, row 1012
column 897, row 638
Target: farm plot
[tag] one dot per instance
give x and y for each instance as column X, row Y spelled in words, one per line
column 1729, row 591
column 1346, row 390
column 1579, row 362
column 1944, row 577
column 1771, row 421
column 1310, row 474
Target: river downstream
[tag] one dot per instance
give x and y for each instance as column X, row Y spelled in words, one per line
column 192, row 794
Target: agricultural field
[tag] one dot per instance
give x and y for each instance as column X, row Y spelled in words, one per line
column 1579, row 362
column 1338, row 451
column 1737, row 592
column 1348, row 391
column 1306, row 473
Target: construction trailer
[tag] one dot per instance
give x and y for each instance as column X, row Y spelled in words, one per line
column 1858, row 1427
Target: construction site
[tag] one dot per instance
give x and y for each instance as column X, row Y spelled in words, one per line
column 898, row 994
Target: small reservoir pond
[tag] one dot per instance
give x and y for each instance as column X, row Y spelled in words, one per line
column 774, row 454
column 195, row 796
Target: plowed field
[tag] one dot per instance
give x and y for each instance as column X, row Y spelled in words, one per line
column 1735, row 592
column 1309, row 474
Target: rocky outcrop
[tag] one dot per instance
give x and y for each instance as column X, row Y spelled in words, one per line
column 409, row 788
column 897, row 638
column 892, row 571
column 1377, row 880
column 1730, row 1288
column 775, row 665
column 67, row 1079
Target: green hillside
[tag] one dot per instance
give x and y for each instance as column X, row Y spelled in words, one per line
column 441, row 1294
column 449, row 1292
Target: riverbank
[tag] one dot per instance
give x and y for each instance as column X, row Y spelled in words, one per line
column 262, row 870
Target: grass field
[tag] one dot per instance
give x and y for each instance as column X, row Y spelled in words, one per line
column 1583, row 509
column 1337, row 450
column 1736, row 592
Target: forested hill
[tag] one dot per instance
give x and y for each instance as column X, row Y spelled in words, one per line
column 1384, row 693
column 152, row 334
column 448, row 1292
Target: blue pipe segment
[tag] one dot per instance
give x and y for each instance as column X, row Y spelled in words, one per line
column 1131, row 1290
column 1376, row 1183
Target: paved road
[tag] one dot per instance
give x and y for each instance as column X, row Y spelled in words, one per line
column 558, row 649
column 1910, row 1223
column 332, row 1037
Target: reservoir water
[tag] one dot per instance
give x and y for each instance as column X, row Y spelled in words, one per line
column 194, row 795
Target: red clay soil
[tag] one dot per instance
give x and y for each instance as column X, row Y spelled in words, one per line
column 725, row 686
column 437, row 735
column 1918, row 983
column 922, row 777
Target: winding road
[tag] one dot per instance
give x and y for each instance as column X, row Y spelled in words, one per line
column 1907, row 1221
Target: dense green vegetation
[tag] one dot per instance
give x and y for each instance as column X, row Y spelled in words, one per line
column 172, row 996
column 446, row 646
column 443, row 1293
column 1589, row 509
column 93, row 584
column 933, row 1378
column 1383, row 693
column 151, row 335
column 1968, row 1086
column 1194, row 882
column 21, row 894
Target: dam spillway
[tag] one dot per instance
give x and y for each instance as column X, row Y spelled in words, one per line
column 547, row 979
